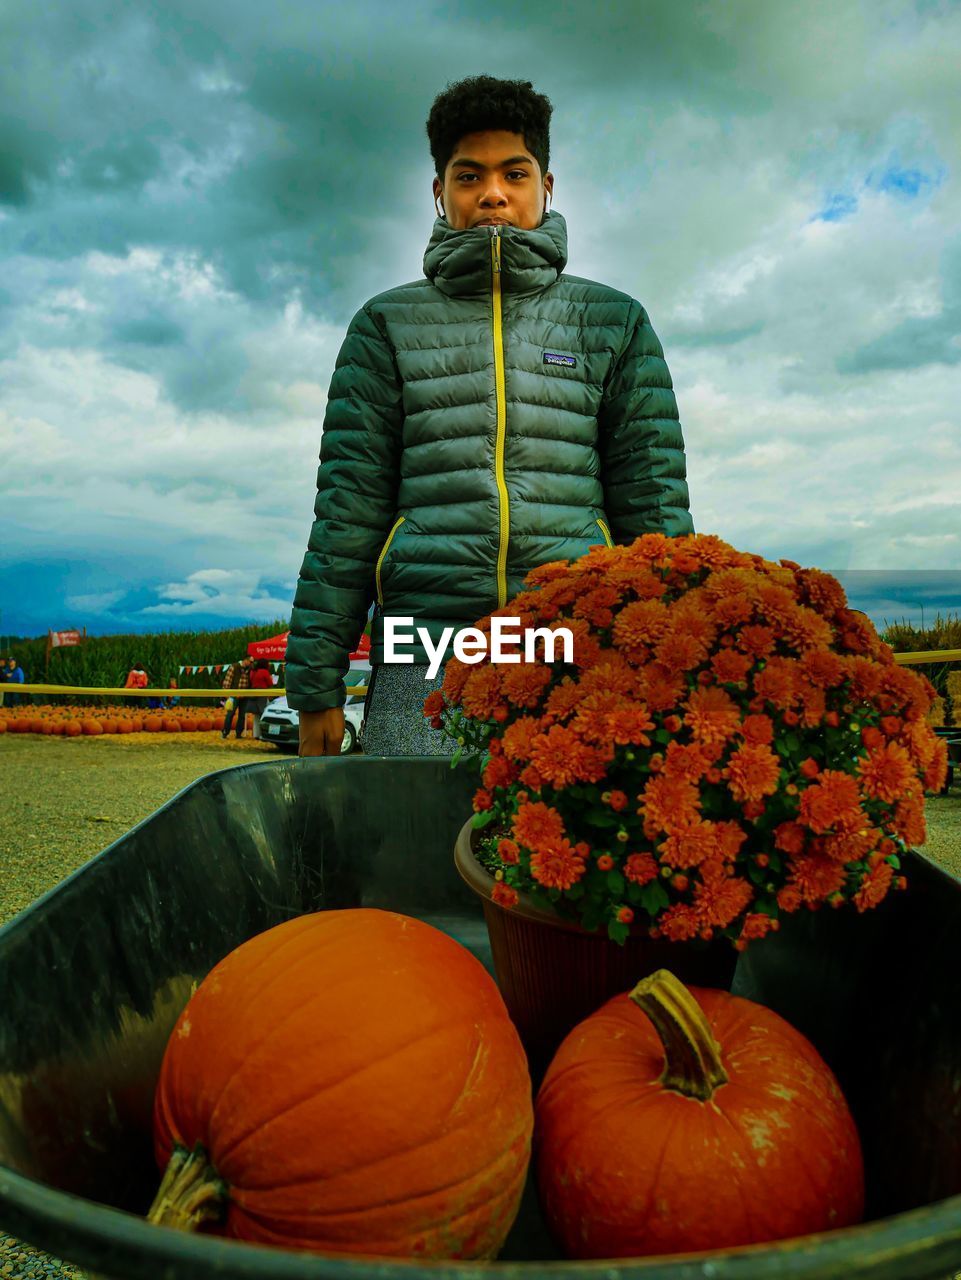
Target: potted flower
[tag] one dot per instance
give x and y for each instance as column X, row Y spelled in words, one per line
column 731, row 743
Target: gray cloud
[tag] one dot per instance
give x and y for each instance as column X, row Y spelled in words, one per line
column 193, row 203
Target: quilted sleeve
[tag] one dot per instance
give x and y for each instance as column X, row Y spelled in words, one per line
column 356, row 501
column 642, row 448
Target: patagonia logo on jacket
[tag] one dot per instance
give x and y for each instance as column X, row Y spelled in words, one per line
column 552, row 357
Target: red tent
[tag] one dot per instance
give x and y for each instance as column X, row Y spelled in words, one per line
column 274, row 649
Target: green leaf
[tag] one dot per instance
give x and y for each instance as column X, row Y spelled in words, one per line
column 483, row 818
column 654, row 897
column 455, row 758
column 662, row 735
column 615, row 882
column 634, row 892
column 618, row 932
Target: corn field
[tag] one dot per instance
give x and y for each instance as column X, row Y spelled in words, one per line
column 103, row 661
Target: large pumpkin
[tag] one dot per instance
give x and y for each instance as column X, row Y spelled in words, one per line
column 706, row 1124
column 355, row 1085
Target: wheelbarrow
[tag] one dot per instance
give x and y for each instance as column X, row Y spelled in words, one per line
column 95, row 973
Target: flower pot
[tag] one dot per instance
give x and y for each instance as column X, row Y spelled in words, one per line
column 552, row 973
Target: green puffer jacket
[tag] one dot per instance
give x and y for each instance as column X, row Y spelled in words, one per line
column 489, row 418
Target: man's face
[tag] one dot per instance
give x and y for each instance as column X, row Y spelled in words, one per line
column 492, row 178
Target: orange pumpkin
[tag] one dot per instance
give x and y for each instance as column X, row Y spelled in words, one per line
column 347, row 1082
column 707, row 1124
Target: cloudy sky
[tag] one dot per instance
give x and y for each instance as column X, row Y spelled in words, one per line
column 195, row 198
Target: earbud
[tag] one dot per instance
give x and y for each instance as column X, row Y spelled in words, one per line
column 439, row 208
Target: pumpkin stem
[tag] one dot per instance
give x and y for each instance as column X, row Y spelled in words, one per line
column 692, row 1057
column 191, row 1192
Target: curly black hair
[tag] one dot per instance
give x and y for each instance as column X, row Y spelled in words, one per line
column 480, row 103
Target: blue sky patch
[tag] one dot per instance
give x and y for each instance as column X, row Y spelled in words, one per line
column 838, row 206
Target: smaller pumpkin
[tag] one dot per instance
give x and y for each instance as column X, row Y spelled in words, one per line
column 708, row 1124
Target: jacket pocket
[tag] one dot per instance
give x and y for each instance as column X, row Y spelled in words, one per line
column 380, row 559
column 605, row 532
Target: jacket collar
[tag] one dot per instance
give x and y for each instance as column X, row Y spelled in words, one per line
column 459, row 262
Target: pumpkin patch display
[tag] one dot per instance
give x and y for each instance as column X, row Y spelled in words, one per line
column 348, row 1082
column 707, row 1124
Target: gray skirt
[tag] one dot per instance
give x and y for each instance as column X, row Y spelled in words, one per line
column 394, row 722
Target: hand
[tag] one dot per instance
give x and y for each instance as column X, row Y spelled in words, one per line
column 321, row 732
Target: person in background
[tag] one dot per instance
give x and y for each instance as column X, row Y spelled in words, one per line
column 136, row 679
column 172, row 699
column 237, row 679
column 14, row 675
column 260, row 678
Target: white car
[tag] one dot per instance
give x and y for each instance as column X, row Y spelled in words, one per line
column 280, row 723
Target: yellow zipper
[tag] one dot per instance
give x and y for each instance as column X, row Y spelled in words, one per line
column 500, row 438
column 380, row 558
column 606, row 532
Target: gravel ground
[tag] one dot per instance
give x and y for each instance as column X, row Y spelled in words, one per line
column 65, row 799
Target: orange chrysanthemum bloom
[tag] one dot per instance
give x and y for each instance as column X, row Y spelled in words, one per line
column 753, row 772
column 776, row 604
column 821, row 667
column 691, row 845
column 757, row 640
column 661, row 689
column 719, row 898
column 628, row 724
column 833, row 801
column 561, row 757
column 518, row 738
column 434, row 703
column 908, row 821
column 758, row 728
column 596, row 607
column 536, row 825
column 875, row 885
column 641, row 868
column 455, row 677
column 936, row 774
column 756, row 925
column 677, row 923
column 612, row 673
column 816, row 877
column 679, row 652
column 555, row 571
column 777, row 682
column 731, row 835
column 790, row 837
column 504, row 895
column 523, row 683
column 499, row 772
column 813, row 704
column 851, row 846
column 886, row 773
column 731, row 584
column 508, row 851
column 712, row 715
column 564, row 698
column 821, row 591
column 639, row 626
column 864, row 678
column 732, row 611
column 482, row 692
column 557, row 865
column 689, row 760
column 806, row 630
column 668, row 803
column 731, row 667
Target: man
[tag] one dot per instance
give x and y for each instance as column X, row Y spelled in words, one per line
column 237, row 678
column 14, row 675
column 492, row 417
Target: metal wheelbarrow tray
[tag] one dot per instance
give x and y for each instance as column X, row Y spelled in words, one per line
column 93, row 976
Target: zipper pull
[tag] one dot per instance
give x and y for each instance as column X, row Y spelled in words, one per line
column 496, row 246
